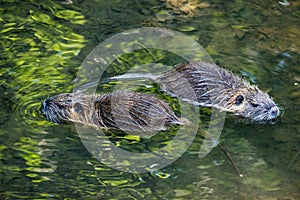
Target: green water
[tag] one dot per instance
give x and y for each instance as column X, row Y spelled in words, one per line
column 43, row 43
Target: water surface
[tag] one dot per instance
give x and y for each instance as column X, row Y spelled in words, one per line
column 42, row 46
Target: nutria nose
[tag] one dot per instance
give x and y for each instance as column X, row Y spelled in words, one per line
column 274, row 111
column 44, row 105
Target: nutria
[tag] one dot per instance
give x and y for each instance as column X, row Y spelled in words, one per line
column 126, row 111
column 211, row 86
column 215, row 87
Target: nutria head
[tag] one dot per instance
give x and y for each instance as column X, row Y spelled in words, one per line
column 68, row 107
column 253, row 104
column 218, row 88
column 54, row 109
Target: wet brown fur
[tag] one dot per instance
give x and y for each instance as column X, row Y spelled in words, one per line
column 216, row 87
column 125, row 111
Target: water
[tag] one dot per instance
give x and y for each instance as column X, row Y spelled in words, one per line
column 42, row 46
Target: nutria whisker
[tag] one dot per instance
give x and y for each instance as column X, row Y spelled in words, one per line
column 261, row 117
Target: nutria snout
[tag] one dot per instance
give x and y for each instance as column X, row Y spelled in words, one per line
column 126, row 111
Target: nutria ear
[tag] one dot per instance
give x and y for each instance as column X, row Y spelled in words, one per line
column 78, row 108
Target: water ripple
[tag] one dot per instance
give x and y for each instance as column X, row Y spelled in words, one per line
column 28, row 111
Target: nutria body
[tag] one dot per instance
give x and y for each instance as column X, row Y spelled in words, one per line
column 126, row 111
column 219, row 88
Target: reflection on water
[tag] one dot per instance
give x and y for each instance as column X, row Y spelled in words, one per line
column 43, row 44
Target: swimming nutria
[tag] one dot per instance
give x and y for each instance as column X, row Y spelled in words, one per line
column 126, row 111
column 215, row 87
column 212, row 86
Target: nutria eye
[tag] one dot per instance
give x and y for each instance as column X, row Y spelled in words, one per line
column 254, row 105
column 78, row 108
column 239, row 99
